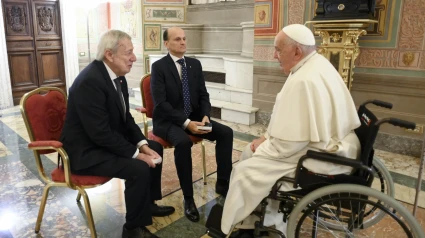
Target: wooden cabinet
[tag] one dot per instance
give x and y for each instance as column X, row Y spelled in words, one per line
column 34, row 45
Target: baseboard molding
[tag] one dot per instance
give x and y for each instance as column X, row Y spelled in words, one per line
column 263, row 118
column 399, row 144
column 389, row 84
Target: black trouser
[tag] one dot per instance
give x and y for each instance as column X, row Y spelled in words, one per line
column 179, row 138
column 142, row 184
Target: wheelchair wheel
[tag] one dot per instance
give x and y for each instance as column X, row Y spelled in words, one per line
column 345, row 204
column 383, row 182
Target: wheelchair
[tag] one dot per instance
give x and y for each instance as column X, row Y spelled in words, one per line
column 343, row 205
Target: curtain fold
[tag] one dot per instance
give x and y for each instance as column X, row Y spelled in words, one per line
column 6, row 99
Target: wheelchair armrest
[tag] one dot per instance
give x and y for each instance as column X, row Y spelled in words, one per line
column 332, row 158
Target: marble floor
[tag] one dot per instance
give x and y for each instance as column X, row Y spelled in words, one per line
column 21, row 189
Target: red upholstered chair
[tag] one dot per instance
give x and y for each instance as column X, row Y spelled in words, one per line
column 147, row 112
column 44, row 111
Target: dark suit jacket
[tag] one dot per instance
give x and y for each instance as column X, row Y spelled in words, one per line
column 95, row 129
column 167, row 93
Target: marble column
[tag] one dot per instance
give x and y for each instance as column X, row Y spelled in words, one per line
column 248, row 39
column 69, row 41
column 6, row 99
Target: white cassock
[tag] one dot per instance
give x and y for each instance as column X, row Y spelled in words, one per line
column 313, row 111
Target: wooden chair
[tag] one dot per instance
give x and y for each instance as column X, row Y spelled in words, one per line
column 44, row 111
column 147, row 112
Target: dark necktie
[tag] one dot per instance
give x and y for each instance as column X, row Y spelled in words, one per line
column 118, row 85
column 185, row 84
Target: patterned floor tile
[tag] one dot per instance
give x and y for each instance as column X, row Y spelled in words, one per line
column 21, row 188
column 20, row 197
column 4, row 151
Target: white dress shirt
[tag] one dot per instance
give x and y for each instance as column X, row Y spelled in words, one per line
column 113, row 76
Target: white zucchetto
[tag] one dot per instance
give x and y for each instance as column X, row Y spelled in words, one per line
column 300, row 34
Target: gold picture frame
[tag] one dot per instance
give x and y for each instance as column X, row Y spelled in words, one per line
column 159, row 13
column 152, row 37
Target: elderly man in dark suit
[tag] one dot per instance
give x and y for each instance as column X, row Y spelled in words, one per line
column 181, row 105
column 102, row 139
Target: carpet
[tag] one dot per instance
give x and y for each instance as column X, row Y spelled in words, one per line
column 170, row 181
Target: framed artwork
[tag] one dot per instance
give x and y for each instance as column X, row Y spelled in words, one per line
column 128, row 17
column 156, row 2
column 146, row 65
column 263, row 16
column 176, row 14
column 267, row 18
column 152, row 37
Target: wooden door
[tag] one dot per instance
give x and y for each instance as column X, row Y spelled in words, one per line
column 34, row 45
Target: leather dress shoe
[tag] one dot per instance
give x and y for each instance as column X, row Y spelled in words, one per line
column 190, row 210
column 222, row 187
column 161, row 211
column 139, row 232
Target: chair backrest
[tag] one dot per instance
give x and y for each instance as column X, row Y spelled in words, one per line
column 367, row 133
column 44, row 111
column 147, row 99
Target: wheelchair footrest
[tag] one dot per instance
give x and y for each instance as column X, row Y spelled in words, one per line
column 215, row 234
column 213, row 223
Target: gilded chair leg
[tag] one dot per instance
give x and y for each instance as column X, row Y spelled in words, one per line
column 88, row 212
column 204, row 164
column 78, row 196
column 42, row 206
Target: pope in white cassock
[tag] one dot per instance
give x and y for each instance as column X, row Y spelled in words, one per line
column 313, row 111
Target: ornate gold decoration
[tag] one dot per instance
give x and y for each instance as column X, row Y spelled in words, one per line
column 45, row 18
column 340, row 43
column 341, row 7
column 408, row 58
column 335, row 37
column 16, row 18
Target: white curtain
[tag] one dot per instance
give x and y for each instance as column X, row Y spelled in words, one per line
column 6, row 99
column 69, row 40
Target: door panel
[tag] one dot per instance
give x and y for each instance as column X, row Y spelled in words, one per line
column 34, row 45
column 22, row 70
column 23, row 74
column 17, row 15
column 49, row 44
column 20, row 45
column 50, row 67
column 46, row 20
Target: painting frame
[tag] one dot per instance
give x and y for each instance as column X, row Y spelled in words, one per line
column 155, row 13
column 146, row 62
column 152, row 37
column 274, row 21
column 164, row 2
